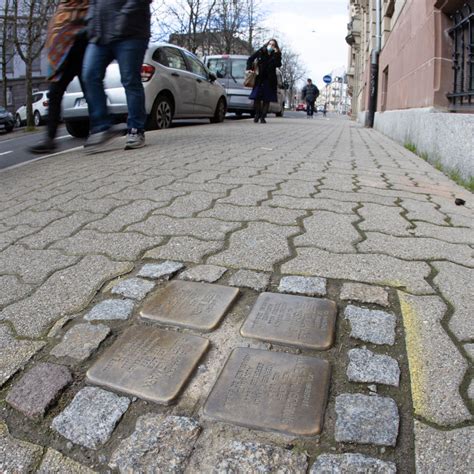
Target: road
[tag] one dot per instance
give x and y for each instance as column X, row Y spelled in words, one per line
column 14, row 146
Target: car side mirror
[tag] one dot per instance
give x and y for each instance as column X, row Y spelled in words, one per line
column 212, row 77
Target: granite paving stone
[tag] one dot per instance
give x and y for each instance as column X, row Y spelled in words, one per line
column 443, row 451
column 365, row 419
column 416, row 248
column 310, row 204
column 456, row 284
column 39, row 388
column 257, row 281
column 238, row 456
column 161, row 196
column 14, row 354
column 296, row 189
column 33, row 266
column 247, row 195
column 470, row 390
column 257, row 247
column 330, row 231
column 207, row 273
column 187, row 206
column 469, row 348
column 160, row 271
column 99, row 206
column 353, row 463
column 58, row 229
column 12, row 289
column 377, row 327
column 34, row 218
column 66, row 292
column 91, row 417
column 228, row 212
column 17, row 456
column 118, row 246
column 185, row 187
column 55, row 463
column 111, row 309
column 422, row 211
column 379, row 269
column 158, row 444
column 384, row 219
column 357, row 197
column 10, row 236
column 367, row 367
column 185, row 249
column 364, row 294
column 309, row 286
column 81, row 341
column 201, row 228
column 436, row 366
column 135, row 288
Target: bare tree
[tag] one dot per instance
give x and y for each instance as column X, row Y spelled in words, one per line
column 230, row 21
column 292, row 70
column 7, row 45
column 30, row 19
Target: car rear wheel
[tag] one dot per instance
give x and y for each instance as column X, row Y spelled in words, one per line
column 18, row 122
column 219, row 114
column 78, row 129
column 161, row 113
column 37, row 119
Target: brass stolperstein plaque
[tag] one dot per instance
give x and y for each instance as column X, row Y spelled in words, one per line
column 271, row 391
column 309, row 323
column 150, row 363
column 188, row 304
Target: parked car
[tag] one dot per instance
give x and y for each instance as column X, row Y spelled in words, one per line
column 7, row 121
column 40, row 109
column 301, row 107
column 177, row 85
column 230, row 72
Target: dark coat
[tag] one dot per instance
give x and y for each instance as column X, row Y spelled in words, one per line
column 310, row 93
column 113, row 20
column 267, row 64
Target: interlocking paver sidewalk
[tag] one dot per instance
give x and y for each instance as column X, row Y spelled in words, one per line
column 324, row 199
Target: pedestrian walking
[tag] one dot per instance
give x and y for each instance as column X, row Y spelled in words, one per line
column 66, row 43
column 118, row 30
column 309, row 94
column 266, row 59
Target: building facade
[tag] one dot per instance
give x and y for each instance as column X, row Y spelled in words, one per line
column 425, row 78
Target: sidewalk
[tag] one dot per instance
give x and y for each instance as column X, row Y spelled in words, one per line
column 88, row 242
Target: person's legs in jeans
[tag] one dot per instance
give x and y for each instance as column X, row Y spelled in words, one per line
column 96, row 60
column 129, row 55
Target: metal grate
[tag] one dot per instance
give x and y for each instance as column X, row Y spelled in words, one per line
column 462, row 33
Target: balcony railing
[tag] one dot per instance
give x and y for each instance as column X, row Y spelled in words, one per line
column 462, row 96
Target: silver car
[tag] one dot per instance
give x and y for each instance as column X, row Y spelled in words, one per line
column 230, row 72
column 177, row 85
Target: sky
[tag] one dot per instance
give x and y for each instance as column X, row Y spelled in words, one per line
column 315, row 29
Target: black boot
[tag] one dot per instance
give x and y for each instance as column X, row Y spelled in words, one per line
column 48, row 146
column 258, row 110
column 265, row 108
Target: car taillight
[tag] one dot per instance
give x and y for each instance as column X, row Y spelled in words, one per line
column 147, row 72
column 46, row 103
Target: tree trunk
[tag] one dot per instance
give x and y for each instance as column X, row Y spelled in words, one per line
column 29, row 93
column 4, row 58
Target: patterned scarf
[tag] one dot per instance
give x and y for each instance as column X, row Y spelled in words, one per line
column 67, row 22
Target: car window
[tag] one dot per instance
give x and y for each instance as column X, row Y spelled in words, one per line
column 160, row 57
column 196, row 67
column 2, row 110
column 37, row 97
column 219, row 66
column 171, row 57
column 238, row 68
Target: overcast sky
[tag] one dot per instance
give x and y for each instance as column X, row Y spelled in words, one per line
column 315, row 29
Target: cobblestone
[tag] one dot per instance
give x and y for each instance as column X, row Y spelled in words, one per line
column 91, row 417
column 33, row 218
column 160, row 271
column 187, row 206
column 135, row 288
column 249, row 279
column 423, row 211
column 17, row 456
column 436, row 366
column 185, row 249
column 366, row 420
column 55, row 463
column 454, row 235
column 207, row 273
column 365, row 366
column 65, row 292
column 309, row 286
column 12, row 289
column 14, row 354
column 81, row 341
column 311, row 204
column 246, row 195
column 377, row 327
column 158, row 444
column 258, row 247
column 38, row 388
column 351, row 463
column 385, row 219
column 364, row 294
column 111, row 310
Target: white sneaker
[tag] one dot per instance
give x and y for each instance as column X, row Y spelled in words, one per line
column 135, row 139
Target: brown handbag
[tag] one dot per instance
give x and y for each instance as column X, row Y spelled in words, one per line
column 251, row 76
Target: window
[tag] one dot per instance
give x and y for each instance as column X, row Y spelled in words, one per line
column 384, row 88
column 219, row 66
column 9, row 96
column 170, row 57
column 238, row 68
column 196, row 67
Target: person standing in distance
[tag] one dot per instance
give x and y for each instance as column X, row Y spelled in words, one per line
column 265, row 90
column 120, row 30
column 310, row 93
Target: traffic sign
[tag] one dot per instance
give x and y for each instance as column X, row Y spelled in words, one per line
column 327, row 79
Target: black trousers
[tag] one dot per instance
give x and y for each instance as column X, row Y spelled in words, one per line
column 71, row 68
column 310, row 107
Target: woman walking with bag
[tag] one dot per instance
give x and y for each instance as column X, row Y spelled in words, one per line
column 66, row 44
column 266, row 59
